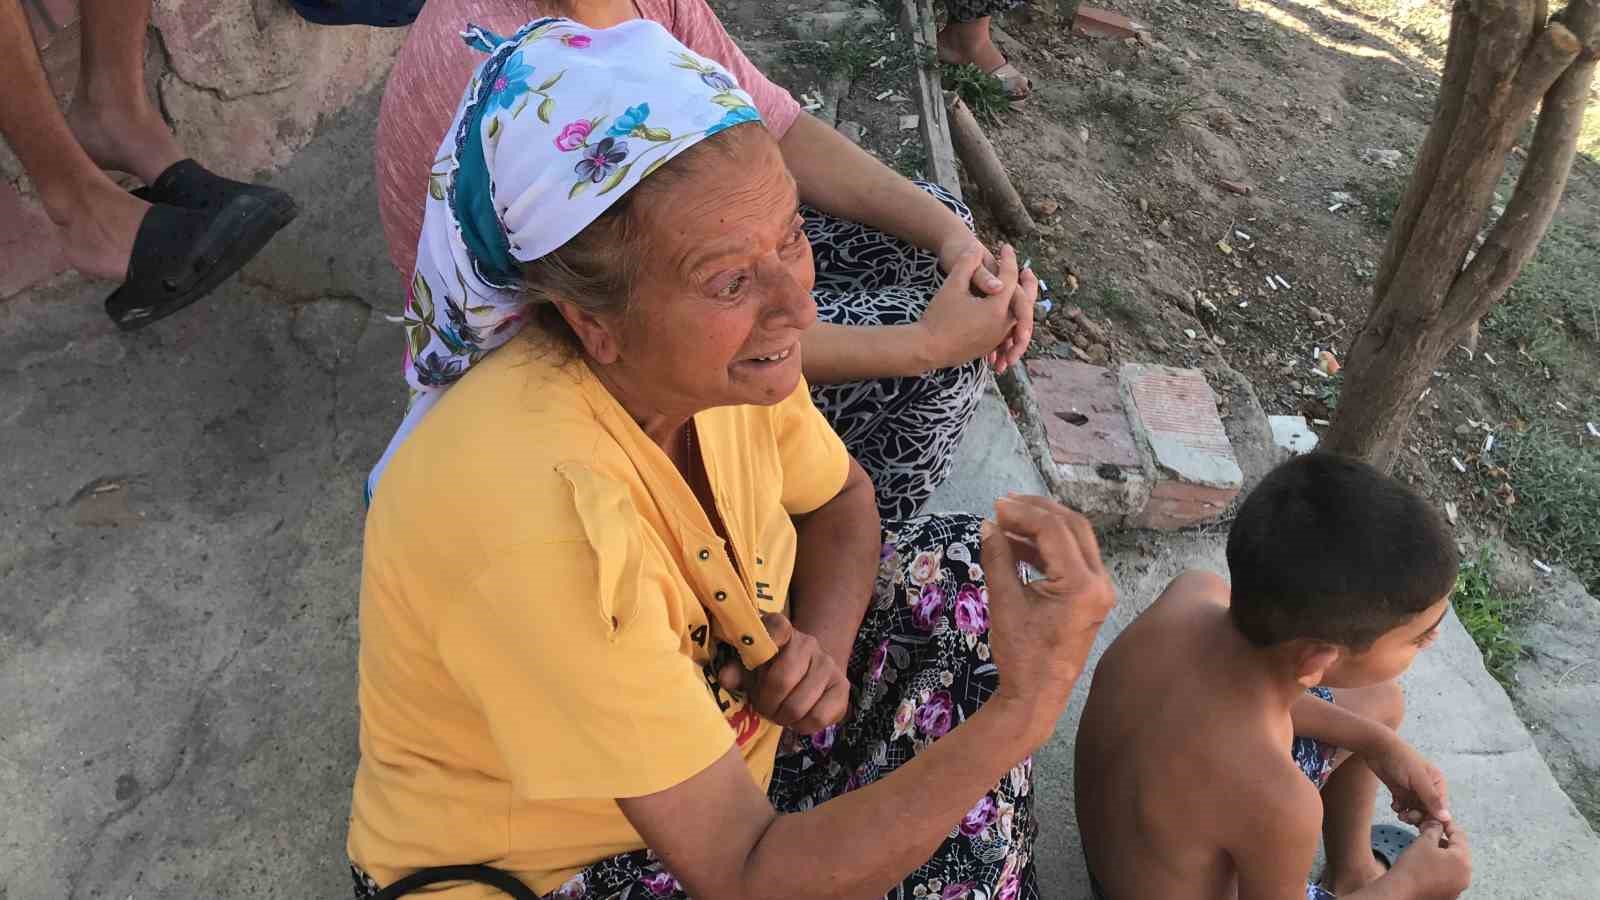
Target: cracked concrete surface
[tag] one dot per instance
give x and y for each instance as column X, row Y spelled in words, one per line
column 179, row 557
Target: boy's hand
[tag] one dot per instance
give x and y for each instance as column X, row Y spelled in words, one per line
column 1417, row 785
column 1438, row 866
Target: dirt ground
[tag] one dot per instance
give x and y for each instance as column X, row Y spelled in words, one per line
column 1220, row 189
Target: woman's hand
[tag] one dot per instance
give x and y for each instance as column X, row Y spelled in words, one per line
column 802, row 688
column 960, row 326
column 985, row 282
column 1041, row 631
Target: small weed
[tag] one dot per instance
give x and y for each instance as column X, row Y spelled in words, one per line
column 912, row 160
column 1383, row 200
column 1181, row 106
column 1490, row 616
column 1556, row 475
column 982, row 92
column 848, row 56
column 1111, row 300
column 1330, row 390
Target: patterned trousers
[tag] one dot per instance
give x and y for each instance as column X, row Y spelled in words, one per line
column 967, row 10
column 903, row 431
column 921, row 666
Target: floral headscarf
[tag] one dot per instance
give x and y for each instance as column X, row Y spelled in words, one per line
column 557, row 124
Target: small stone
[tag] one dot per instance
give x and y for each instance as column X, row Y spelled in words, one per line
column 1145, row 38
column 1165, row 228
column 1097, row 355
column 1344, row 197
column 854, row 131
column 1144, row 205
column 1325, row 116
column 1236, row 187
column 1381, row 157
column 1044, row 207
column 1157, row 345
column 1083, row 135
column 910, row 123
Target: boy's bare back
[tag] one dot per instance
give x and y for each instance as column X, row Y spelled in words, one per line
column 1180, row 769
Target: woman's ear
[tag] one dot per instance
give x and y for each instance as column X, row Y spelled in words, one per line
column 598, row 336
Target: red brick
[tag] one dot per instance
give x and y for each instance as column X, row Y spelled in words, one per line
column 1084, row 419
column 1174, row 505
column 1174, row 415
column 1097, row 22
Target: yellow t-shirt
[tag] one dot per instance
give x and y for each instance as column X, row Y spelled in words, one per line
column 542, row 597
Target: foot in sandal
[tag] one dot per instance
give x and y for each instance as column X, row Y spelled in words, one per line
column 961, row 43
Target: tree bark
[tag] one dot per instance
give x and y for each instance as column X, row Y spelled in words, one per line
column 1502, row 60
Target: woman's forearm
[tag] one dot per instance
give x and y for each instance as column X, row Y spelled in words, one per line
column 834, row 354
column 845, row 181
column 862, row 844
column 835, row 566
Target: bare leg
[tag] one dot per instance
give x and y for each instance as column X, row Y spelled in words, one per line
column 112, row 115
column 970, row 42
column 1348, row 797
column 97, row 218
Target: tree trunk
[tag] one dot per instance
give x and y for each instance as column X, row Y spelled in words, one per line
column 1503, row 59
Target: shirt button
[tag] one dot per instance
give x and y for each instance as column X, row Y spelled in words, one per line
column 721, row 596
column 747, row 640
column 704, row 554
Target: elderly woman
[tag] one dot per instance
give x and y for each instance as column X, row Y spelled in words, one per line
column 895, row 364
column 630, row 623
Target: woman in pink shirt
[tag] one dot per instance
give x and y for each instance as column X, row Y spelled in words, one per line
column 895, row 363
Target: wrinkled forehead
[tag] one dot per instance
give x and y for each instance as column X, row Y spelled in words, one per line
column 730, row 196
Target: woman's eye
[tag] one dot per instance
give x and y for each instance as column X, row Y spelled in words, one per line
column 732, row 286
column 795, row 237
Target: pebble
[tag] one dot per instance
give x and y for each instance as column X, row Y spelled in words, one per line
column 1165, row 228
column 1382, row 157
column 854, row 131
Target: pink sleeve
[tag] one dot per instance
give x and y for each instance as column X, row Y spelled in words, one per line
column 700, row 30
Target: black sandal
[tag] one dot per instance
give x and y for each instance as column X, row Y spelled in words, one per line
column 190, row 185
column 180, row 255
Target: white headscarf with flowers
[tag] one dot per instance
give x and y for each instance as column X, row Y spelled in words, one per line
column 557, row 124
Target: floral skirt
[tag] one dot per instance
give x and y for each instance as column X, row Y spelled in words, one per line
column 919, row 668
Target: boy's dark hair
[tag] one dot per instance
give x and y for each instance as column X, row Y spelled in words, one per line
column 1331, row 549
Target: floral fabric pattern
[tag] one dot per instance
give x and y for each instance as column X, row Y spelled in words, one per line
column 915, row 674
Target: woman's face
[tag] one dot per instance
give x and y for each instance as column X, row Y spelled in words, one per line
column 725, row 291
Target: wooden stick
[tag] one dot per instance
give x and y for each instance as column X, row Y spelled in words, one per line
column 988, row 172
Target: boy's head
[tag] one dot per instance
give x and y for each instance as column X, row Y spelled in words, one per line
column 1351, row 565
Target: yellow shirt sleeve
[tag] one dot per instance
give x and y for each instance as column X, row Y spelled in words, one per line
column 571, row 654
column 815, row 462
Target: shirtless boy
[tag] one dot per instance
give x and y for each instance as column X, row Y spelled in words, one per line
column 1224, row 730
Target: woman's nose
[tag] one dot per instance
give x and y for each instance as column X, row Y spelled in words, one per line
column 789, row 303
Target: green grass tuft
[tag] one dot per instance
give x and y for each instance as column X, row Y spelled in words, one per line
column 982, row 92
column 1556, row 474
column 1490, row 616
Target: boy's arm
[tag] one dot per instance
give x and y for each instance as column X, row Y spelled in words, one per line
column 1417, row 785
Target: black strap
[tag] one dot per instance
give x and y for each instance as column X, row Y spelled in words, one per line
column 489, row 875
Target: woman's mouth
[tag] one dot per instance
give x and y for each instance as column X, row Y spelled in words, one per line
column 771, row 358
